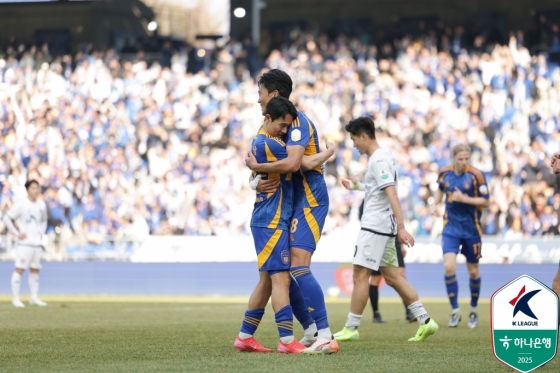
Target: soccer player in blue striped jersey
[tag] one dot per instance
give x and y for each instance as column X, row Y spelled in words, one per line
column 466, row 194
column 311, row 204
column 270, row 224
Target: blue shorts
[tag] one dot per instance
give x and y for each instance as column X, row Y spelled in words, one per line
column 306, row 228
column 469, row 247
column 273, row 252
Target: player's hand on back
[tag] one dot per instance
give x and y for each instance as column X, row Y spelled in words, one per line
column 268, row 186
column 348, row 182
column 251, row 161
column 22, row 236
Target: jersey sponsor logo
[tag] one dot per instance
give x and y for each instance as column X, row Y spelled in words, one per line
column 296, row 135
column 483, row 189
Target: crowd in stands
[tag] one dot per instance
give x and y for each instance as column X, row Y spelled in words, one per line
column 127, row 149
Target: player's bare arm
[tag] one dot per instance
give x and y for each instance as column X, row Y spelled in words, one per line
column 309, row 162
column 352, row 184
column 290, row 164
column 402, row 235
column 461, row 197
column 438, row 197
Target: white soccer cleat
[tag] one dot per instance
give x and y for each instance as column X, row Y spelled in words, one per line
column 18, row 303
column 37, row 302
column 322, row 347
column 308, row 341
column 455, row 320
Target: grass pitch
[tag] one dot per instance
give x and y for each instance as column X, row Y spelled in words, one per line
column 166, row 336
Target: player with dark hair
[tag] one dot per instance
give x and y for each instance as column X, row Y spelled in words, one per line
column 382, row 223
column 30, row 215
column 311, row 205
column 269, row 225
column 466, row 194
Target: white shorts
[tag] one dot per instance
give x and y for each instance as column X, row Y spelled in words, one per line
column 28, row 257
column 375, row 250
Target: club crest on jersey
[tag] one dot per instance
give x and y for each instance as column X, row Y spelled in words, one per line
column 296, row 135
column 467, row 186
column 285, row 254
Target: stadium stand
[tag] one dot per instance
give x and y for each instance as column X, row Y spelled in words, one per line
column 124, row 149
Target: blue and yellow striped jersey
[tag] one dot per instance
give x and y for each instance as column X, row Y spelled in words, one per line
column 272, row 210
column 310, row 189
column 462, row 220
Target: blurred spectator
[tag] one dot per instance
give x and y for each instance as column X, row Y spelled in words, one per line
column 125, row 148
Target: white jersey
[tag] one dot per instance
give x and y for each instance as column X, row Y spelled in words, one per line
column 31, row 219
column 381, row 173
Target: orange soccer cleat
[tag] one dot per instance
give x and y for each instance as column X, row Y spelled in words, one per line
column 249, row 345
column 291, row 348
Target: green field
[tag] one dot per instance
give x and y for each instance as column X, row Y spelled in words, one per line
column 198, row 337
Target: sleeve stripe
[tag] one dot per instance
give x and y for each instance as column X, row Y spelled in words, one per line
column 479, row 176
column 381, row 187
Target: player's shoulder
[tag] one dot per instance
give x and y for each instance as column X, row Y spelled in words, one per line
column 445, row 170
column 476, row 173
column 382, row 154
column 302, row 121
column 264, row 138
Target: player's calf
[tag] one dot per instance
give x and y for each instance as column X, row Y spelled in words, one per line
column 284, row 313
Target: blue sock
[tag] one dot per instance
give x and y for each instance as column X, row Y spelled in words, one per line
column 299, row 306
column 452, row 290
column 475, row 291
column 313, row 295
column 251, row 321
column 285, row 321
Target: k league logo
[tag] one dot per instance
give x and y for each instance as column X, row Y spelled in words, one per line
column 521, row 304
column 524, row 324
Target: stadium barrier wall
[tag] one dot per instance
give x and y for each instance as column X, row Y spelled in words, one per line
column 226, row 266
column 336, row 249
column 238, row 279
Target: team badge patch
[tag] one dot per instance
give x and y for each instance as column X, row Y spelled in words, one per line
column 467, row 186
column 384, row 175
column 296, row 135
column 285, row 254
column 483, row 189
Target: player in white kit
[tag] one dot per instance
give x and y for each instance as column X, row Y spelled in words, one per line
column 30, row 215
column 382, row 222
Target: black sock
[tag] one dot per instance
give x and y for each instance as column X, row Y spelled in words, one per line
column 374, row 297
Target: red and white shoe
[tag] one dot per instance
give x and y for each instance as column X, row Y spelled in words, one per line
column 249, row 345
column 322, row 347
column 291, row 348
